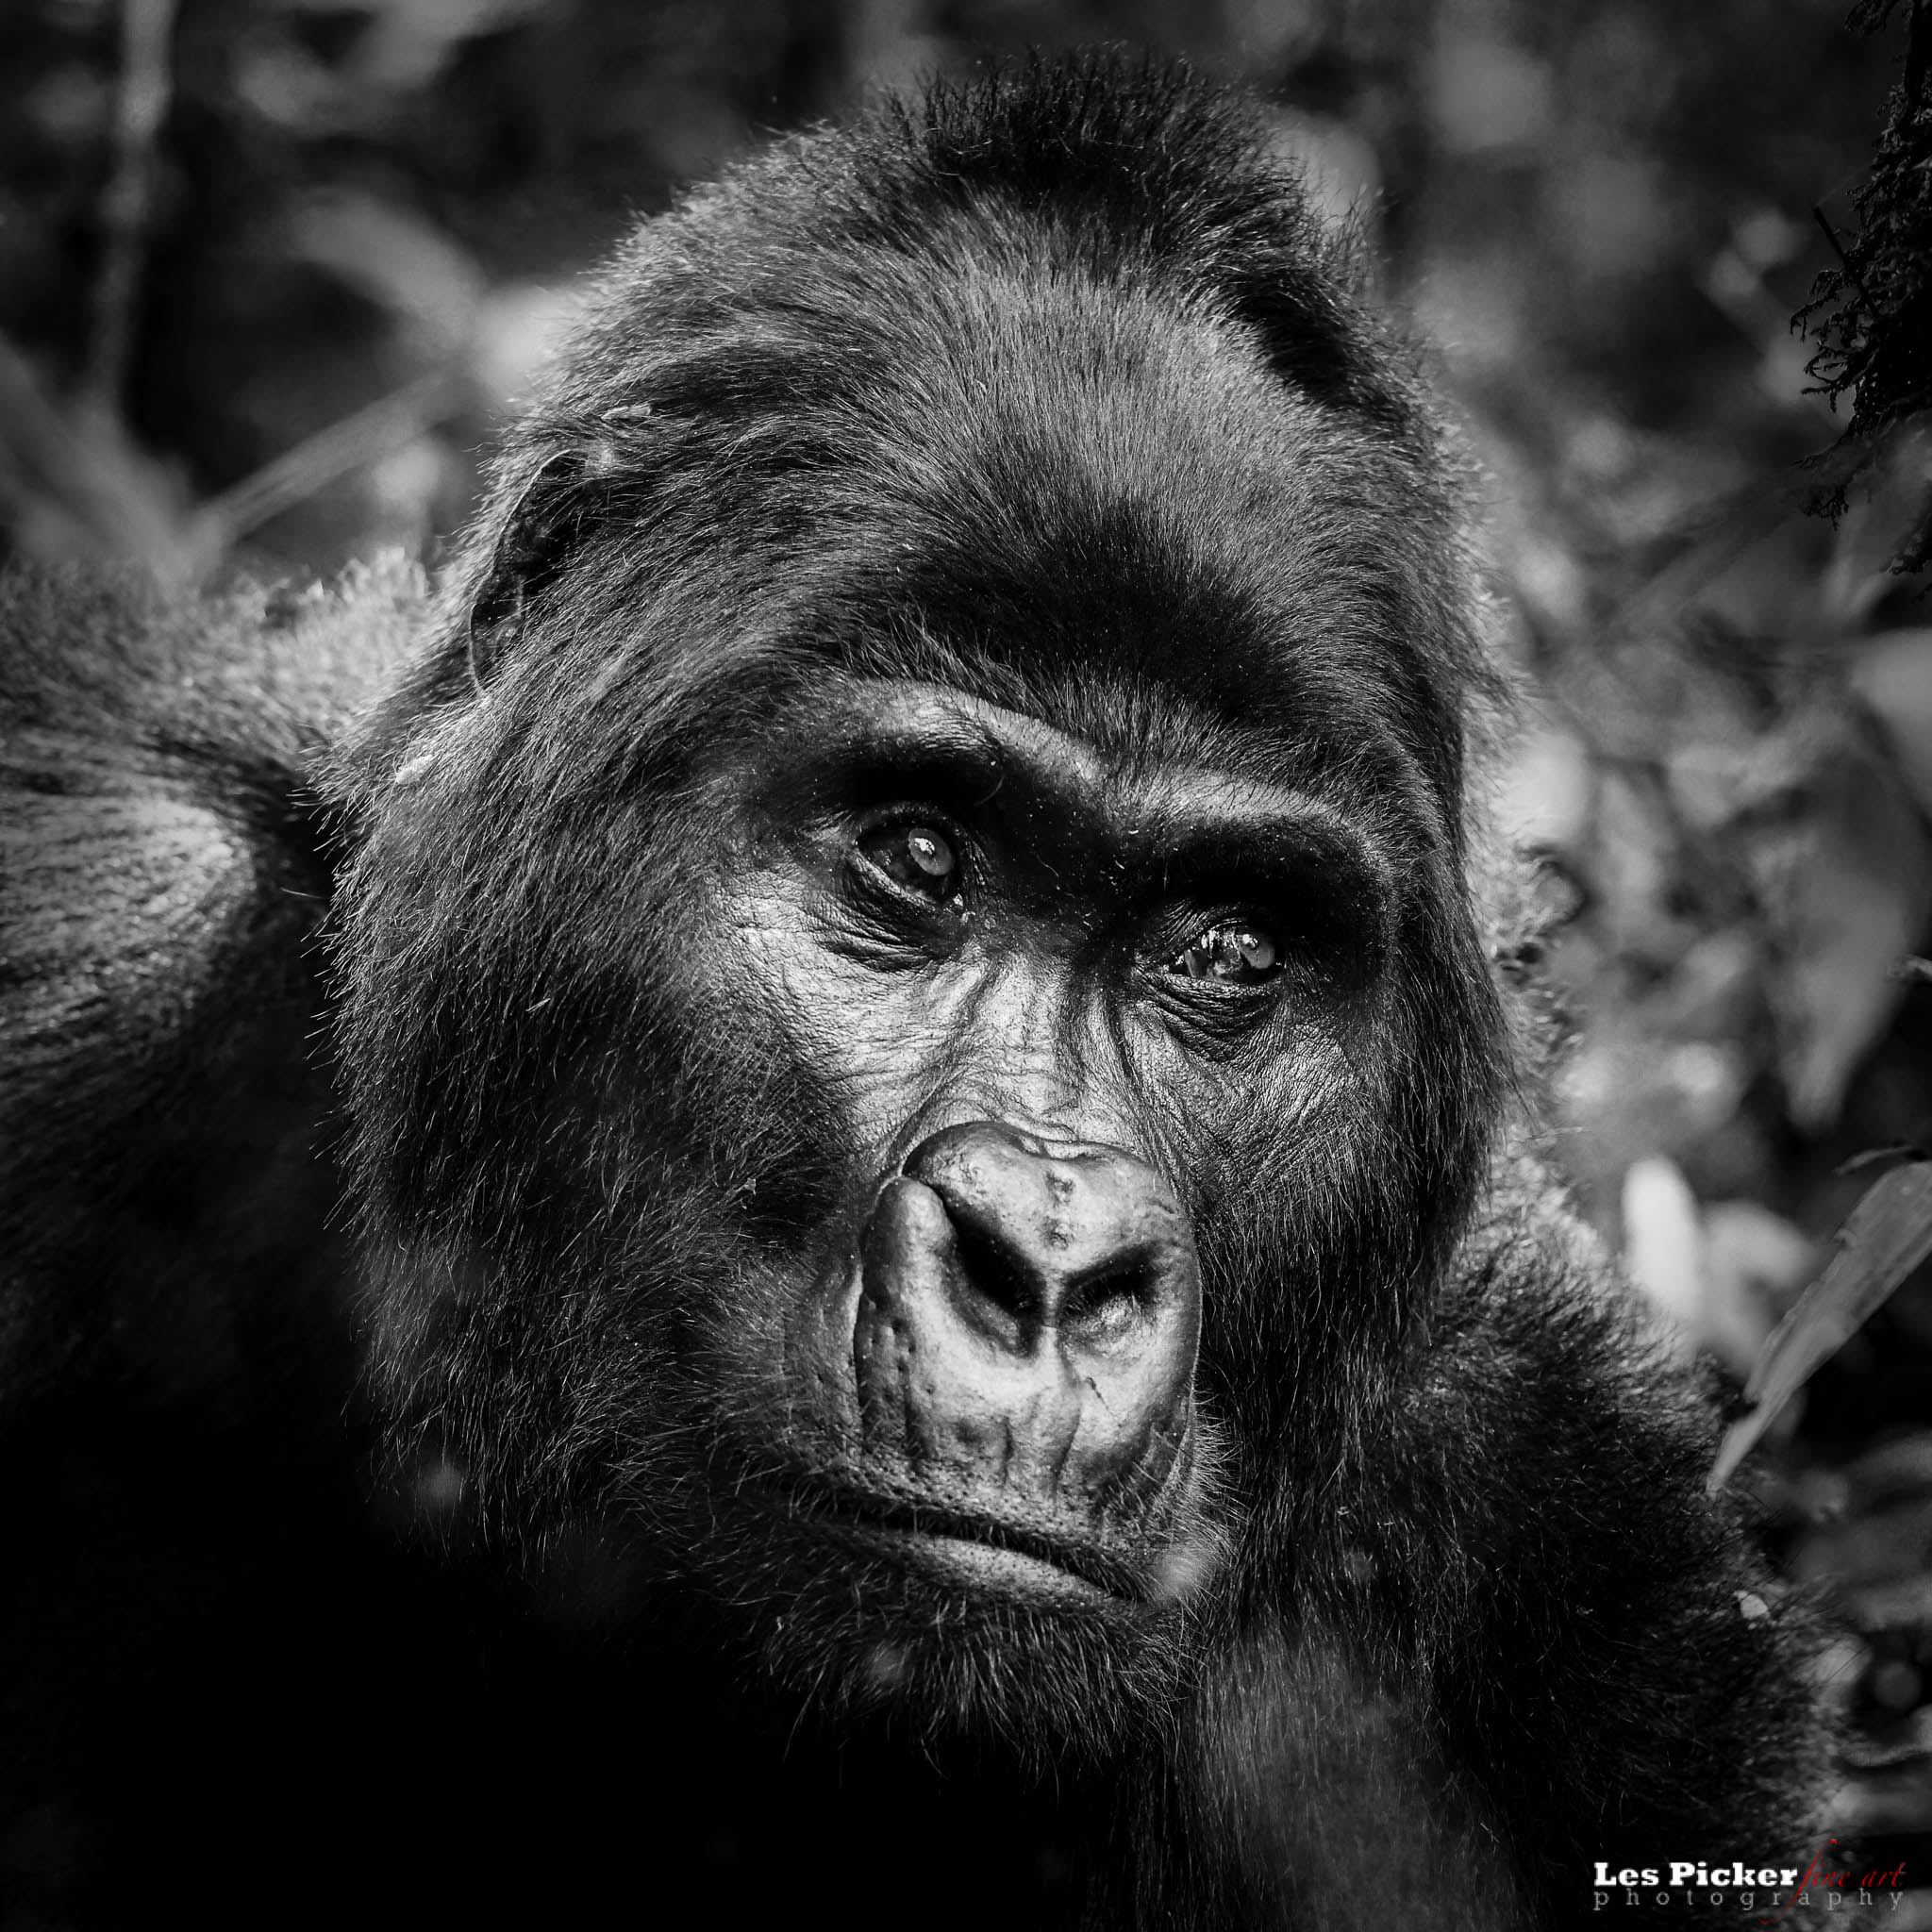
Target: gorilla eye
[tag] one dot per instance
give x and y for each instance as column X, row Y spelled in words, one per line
column 1234, row 955
column 917, row 858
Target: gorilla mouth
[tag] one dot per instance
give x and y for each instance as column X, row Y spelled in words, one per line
column 984, row 1553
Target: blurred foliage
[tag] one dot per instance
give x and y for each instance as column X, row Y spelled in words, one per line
column 269, row 269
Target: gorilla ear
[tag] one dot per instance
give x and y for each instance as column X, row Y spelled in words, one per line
column 538, row 540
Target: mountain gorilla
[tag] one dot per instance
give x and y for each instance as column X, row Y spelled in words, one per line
column 915, row 1118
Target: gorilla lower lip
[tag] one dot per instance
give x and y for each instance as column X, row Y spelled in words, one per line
column 981, row 1553
column 985, row 1566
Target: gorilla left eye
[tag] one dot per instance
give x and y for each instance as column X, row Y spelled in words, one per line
column 918, row 858
column 1234, row 955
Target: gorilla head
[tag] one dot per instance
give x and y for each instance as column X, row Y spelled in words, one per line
column 913, row 1031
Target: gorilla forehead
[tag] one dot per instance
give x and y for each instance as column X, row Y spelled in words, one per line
column 1041, row 483
column 1094, row 400
column 1050, row 433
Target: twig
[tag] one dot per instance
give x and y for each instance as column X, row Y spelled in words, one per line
column 297, row 474
column 140, row 105
column 1838, row 249
column 71, row 485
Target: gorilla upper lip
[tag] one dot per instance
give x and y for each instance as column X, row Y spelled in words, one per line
column 920, row 1524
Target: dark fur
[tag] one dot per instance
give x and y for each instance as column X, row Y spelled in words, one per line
column 1050, row 392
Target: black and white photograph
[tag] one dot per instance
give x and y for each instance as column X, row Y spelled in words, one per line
column 965, row 965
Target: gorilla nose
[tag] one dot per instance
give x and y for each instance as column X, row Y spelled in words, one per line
column 1081, row 1238
column 1030, row 1312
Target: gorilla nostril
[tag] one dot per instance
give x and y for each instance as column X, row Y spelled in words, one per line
column 1109, row 1304
column 996, row 1273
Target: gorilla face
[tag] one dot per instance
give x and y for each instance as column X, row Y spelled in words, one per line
column 911, row 1020
column 916, row 1167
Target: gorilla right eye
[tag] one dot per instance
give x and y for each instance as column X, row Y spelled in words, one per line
column 918, row 858
column 1235, row 955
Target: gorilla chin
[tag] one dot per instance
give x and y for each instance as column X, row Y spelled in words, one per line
column 956, row 1636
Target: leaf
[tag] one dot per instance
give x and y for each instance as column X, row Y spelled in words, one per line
column 1887, row 1235
column 1846, row 898
column 1882, row 1157
column 1892, row 675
